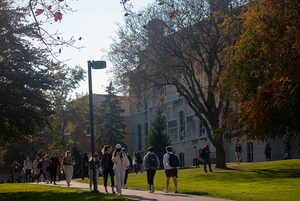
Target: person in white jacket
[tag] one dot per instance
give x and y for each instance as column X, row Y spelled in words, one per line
column 28, row 168
column 121, row 163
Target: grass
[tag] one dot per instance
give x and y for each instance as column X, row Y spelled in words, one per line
column 277, row 180
column 21, row 192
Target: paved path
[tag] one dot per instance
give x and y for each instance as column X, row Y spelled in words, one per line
column 140, row 194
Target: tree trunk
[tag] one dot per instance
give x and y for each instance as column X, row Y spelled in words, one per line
column 220, row 156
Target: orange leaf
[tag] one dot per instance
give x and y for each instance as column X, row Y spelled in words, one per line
column 39, row 11
column 49, row 8
column 172, row 16
column 58, row 16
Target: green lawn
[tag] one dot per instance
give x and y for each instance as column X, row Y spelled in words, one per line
column 22, row 192
column 278, row 180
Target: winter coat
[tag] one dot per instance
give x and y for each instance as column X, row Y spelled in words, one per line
column 120, row 163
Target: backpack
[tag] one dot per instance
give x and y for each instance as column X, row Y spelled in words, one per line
column 237, row 148
column 173, row 160
column 151, row 161
column 39, row 165
column 139, row 160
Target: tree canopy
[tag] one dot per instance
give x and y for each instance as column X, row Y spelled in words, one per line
column 263, row 70
column 25, row 78
column 180, row 46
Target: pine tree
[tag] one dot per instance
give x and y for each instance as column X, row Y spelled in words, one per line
column 158, row 137
column 110, row 122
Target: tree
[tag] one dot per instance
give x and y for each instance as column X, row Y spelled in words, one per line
column 110, row 122
column 182, row 46
column 25, row 78
column 263, row 70
column 158, row 137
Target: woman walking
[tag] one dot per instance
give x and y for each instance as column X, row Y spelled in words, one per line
column 121, row 163
column 68, row 162
column 42, row 170
column 107, row 167
column 91, row 176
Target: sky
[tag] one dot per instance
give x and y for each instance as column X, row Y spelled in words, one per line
column 95, row 21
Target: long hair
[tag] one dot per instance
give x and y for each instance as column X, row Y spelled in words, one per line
column 105, row 148
column 118, row 150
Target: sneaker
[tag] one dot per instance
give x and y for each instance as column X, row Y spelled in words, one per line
column 205, row 171
column 91, row 189
column 119, row 194
column 54, row 183
column 37, row 181
column 50, row 182
column 113, row 192
column 125, row 186
column 47, row 182
column 166, row 190
column 211, row 171
column 152, row 188
column 150, row 191
column 175, row 191
column 106, row 192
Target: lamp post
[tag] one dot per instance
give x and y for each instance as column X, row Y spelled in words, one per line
column 94, row 65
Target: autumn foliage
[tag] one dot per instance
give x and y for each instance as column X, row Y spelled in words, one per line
column 263, row 70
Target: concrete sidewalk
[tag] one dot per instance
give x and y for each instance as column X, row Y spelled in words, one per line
column 140, row 194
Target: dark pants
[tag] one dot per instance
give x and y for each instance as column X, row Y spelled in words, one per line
column 150, row 177
column 53, row 175
column 105, row 177
column 195, row 162
column 207, row 161
column 126, row 175
column 28, row 175
column 85, row 171
column 41, row 172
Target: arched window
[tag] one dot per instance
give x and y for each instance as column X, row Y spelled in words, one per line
column 181, row 159
column 140, row 137
column 146, row 132
column 182, row 125
column 201, row 129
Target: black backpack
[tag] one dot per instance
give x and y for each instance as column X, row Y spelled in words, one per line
column 237, row 148
column 173, row 160
column 39, row 165
column 151, row 161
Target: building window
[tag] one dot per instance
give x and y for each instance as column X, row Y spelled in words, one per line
column 181, row 159
column 146, row 132
column 146, row 106
column 88, row 131
column 182, row 125
column 201, row 129
column 140, row 140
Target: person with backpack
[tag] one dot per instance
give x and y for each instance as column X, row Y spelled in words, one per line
column 170, row 162
column 42, row 167
column 127, row 170
column 151, row 163
column 205, row 155
column 238, row 153
column 268, row 152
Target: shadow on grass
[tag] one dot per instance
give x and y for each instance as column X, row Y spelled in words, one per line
column 57, row 196
column 196, row 193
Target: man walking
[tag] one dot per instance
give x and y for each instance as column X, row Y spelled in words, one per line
column 151, row 163
column 205, row 156
column 53, row 166
column 170, row 165
column 195, row 157
column 238, row 153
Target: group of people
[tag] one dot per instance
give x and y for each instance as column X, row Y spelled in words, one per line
column 32, row 171
column 202, row 156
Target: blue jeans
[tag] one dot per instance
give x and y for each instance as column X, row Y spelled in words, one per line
column 16, row 176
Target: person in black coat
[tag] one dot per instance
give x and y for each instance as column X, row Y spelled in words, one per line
column 85, row 165
column 54, row 164
column 129, row 168
column 206, row 158
column 107, row 167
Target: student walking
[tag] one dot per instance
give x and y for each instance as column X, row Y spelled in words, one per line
column 205, row 155
column 91, row 176
column 121, row 163
column 107, row 167
column 134, row 163
column 68, row 162
column 42, row 167
column 28, row 168
column 15, row 171
column 170, row 162
column 238, row 153
column 127, row 170
column 47, row 168
column 139, row 162
column 268, row 152
column 85, row 165
column 53, row 166
column 36, row 171
column 151, row 163
column 287, row 148
column 195, row 157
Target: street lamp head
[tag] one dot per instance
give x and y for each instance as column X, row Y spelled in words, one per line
column 97, row 64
